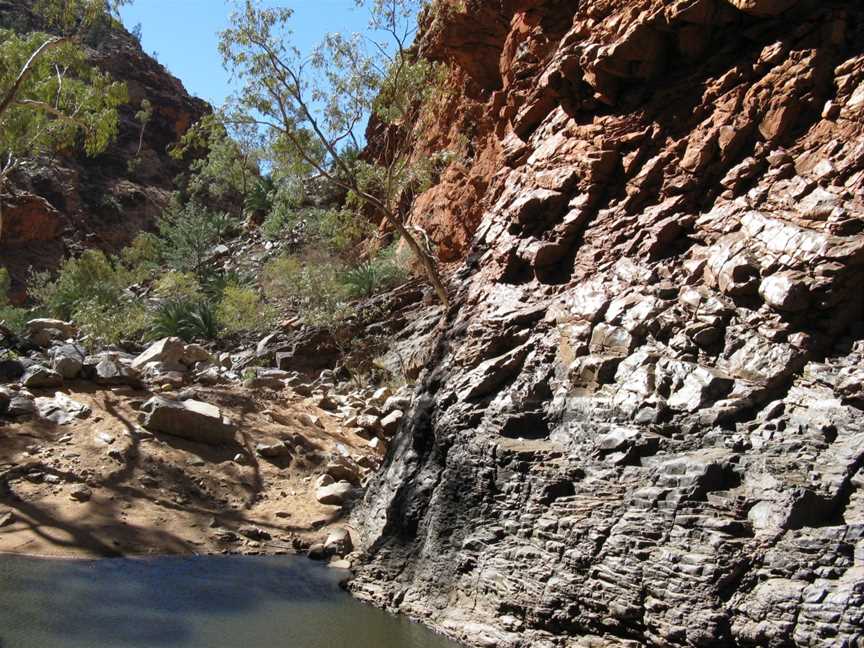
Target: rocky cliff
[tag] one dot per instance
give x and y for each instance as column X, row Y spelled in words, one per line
column 642, row 423
column 69, row 202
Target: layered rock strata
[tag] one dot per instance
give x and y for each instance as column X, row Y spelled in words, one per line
column 642, row 424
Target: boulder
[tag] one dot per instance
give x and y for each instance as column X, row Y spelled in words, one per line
column 190, row 419
column 338, row 542
column 110, row 370
column 390, row 423
column 397, row 402
column 169, row 351
column 38, row 376
column 5, row 400
column 68, row 360
column 264, row 382
column 81, row 493
column 195, row 353
column 369, row 422
column 21, row 405
column 786, row 292
column 273, row 450
column 61, row 410
column 42, row 332
column 342, row 470
column 10, row 369
column 334, row 494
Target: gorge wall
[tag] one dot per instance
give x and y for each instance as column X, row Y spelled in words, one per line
column 642, row 423
column 60, row 206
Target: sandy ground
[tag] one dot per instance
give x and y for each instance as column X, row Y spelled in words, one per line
column 162, row 494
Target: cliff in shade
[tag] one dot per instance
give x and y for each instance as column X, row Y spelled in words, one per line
column 642, row 423
column 59, row 206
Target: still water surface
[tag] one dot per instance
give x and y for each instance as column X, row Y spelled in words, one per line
column 201, row 602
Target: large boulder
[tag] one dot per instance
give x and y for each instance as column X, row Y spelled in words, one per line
column 338, row 542
column 168, row 351
column 190, row 419
column 334, row 494
column 110, row 370
column 42, row 332
column 38, row 377
column 68, row 360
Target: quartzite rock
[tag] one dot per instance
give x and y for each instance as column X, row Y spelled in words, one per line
column 190, row 419
column 670, row 453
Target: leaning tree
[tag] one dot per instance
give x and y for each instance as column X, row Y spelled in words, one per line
column 314, row 105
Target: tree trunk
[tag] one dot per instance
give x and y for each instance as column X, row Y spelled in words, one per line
column 426, row 260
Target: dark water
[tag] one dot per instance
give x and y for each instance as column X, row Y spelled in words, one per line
column 202, row 602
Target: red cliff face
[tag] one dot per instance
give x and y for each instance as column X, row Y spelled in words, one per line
column 643, row 422
column 59, row 206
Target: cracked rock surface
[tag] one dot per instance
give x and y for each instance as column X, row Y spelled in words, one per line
column 643, row 423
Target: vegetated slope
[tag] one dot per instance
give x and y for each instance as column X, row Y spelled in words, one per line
column 643, row 422
column 70, row 202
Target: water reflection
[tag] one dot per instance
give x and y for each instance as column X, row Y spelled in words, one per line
column 202, row 602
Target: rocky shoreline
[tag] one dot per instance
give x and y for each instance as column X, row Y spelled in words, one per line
column 175, row 450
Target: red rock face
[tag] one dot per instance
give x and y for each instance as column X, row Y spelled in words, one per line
column 642, row 424
column 27, row 219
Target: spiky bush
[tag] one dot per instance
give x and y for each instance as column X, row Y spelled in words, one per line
column 188, row 320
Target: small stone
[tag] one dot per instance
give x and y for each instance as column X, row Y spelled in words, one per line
column 81, row 493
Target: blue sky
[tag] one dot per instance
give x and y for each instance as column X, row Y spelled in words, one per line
column 184, row 34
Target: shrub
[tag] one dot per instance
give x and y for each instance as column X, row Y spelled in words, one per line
column 189, row 233
column 310, row 286
column 111, row 323
column 258, row 200
column 340, row 229
column 241, row 309
column 178, row 286
column 385, row 271
column 143, row 256
column 186, row 319
column 279, row 221
column 91, row 278
column 14, row 318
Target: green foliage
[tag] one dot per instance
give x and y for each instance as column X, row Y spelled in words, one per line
column 280, row 220
column 189, row 232
column 309, row 285
column 341, row 229
column 184, row 318
column 143, row 257
column 91, row 290
column 111, row 323
column 49, row 111
column 309, row 106
column 259, row 197
column 12, row 317
column 91, row 278
column 241, row 310
column 178, row 286
column 229, row 165
column 5, row 284
column 374, row 275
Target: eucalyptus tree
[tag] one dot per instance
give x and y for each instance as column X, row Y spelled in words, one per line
column 312, row 106
column 51, row 98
